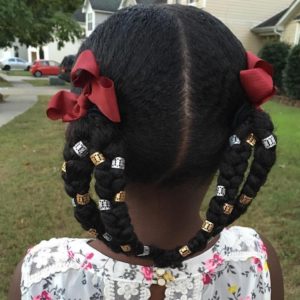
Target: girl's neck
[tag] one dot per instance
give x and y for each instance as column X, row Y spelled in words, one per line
column 165, row 218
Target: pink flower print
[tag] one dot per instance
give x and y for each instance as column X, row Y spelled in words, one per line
column 43, row 296
column 263, row 248
column 86, row 265
column 148, row 273
column 70, row 254
column 206, row 279
column 258, row 264
column 212, row 263
column 246, row 298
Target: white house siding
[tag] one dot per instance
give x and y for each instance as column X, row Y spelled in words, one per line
column 291, row 33
column 241, row 16
column 89, row 10
column 51, row 51
column 100, row 17
column 10, row 52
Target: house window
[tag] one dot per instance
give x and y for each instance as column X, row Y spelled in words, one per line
column 90, row 21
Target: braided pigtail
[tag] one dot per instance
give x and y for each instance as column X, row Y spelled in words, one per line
column 76, row 173
column 263, row 160
column 108, row 157
column 231, row 175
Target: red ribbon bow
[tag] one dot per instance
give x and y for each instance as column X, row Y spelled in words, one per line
column 96, row 89
column 257, row 80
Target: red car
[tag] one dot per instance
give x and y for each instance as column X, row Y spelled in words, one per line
column 44, row 67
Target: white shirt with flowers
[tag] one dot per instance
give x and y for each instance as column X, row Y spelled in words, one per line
column 235, row 268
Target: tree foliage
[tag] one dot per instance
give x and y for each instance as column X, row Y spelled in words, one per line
column 38, row 22
column 276, row 53
column 291, row 77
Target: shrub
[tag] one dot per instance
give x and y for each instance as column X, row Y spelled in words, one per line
column 291, row 78
column 276, row 53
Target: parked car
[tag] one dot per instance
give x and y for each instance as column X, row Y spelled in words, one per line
column 66, row 67
column 44, row 67
column 14, row 63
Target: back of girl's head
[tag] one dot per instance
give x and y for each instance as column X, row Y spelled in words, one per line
column 176, row 74
column 175, row 69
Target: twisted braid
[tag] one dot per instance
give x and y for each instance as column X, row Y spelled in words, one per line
column 78, row 173
column 263, row 160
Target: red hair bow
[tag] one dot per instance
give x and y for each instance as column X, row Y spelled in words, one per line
column 257, row 80
column 96, row 89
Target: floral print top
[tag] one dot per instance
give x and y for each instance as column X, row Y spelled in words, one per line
column 235, row 268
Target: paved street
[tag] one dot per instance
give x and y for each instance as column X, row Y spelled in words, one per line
column 20, row 97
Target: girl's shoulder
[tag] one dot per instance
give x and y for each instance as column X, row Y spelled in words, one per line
column 57, row 255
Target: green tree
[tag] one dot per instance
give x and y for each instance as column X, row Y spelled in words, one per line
column 291, row 78
column 38, row 22
column 276, row 53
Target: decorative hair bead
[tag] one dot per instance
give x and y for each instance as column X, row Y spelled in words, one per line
column 227, row 208
column 80, row 149
column 207, row 226
column 126, row 248
column 118, row 163
column 221, row 191
column 83, row 199
column 97, row 158
column 64, row 167
column 73, row 202
column 245, row 200
column 104, row 204
column 145, row 252
column 234, row 140
column 120, row 197
column 269, row 142
column 107, row 236
column 251, row 140
column 93, row 232
column 185, row 251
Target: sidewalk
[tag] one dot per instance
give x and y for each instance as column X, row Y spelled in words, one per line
column 21, row 97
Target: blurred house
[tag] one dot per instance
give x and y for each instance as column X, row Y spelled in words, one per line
column 254, row 22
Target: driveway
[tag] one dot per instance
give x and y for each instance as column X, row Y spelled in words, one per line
column 21, row 96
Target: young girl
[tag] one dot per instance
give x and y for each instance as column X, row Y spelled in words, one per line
column 169, row 98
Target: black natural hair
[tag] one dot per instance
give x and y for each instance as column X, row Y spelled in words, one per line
column 176, row 74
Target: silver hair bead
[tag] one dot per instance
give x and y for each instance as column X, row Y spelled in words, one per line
column 145, row 252
column 73, row 202
column 234, row 140
column 80, row 149
column 221, row 191
column 104, row 204
column 118, row 163
column 269, row 142
column 107, row 236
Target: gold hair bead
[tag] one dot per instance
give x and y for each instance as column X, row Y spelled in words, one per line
column 227, row 208
column 185, row 251
column 207, row 226
column 245, row 200
column 97, row 158
column 92, row 232
column 83, row 199
column 251, row 140
column 64, row 167
column 120, row 197
column 126, row 248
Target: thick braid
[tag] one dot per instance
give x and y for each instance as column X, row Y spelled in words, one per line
column 77, row 173
column 264, row 159
column 110, row 182
column 231, row 175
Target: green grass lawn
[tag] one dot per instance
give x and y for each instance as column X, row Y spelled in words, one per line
column 38, row 82
column 4, row 83
column 17, row 73
column 35, row 207
column 41, row 82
